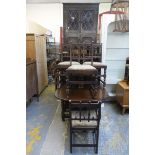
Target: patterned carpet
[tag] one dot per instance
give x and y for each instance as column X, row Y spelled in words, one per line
column 44, row 122
column 39, row 116
column 113, row 137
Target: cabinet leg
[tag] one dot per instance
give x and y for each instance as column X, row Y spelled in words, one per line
column 123, row 111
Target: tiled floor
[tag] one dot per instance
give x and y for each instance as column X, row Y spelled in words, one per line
column 48, row 135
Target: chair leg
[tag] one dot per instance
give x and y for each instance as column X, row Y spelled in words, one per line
column 62, row 117
column 97, row 136
column 123, row 110
column 62, row 111
column 70, row 141
column 38, row 98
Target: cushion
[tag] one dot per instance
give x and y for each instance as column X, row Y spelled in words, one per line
column 81, row 67
column 100, row 64
column 65, row 52
column 69, row 63
column 84, row 123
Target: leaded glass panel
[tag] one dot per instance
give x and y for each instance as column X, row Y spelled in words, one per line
column 73, row 20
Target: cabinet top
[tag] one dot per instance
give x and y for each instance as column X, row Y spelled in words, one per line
column 123, row 84
column 30, row 34
column 34, row 34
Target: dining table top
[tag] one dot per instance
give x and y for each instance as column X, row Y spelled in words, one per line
column 80, row 94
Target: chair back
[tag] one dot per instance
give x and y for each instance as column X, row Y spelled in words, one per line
column 85, row 113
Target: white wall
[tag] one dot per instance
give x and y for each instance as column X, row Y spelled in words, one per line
column 103, row 7
column 33, row 27
column 117, row 50
column 50, row 16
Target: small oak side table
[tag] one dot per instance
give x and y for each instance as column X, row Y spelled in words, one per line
column 122, row 95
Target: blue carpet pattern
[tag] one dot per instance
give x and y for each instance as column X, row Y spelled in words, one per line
column 114, row 128
column 39, row 116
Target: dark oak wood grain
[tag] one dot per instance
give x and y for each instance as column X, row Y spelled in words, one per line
column 80, row 94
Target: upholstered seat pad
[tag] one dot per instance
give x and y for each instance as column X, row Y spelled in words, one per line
column 84, row 123
column 68, row 63
column 94, row 63
column 65, row 52
column 81, row 67
column 85, row 70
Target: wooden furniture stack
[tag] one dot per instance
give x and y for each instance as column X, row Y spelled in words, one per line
column 36, row 49
column 81, row 93
column 80, row 86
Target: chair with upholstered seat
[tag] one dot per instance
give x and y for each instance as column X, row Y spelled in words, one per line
column 99, row 66
column 60, row 71
column 62, row 66
column 84, row 119
column 84, row 76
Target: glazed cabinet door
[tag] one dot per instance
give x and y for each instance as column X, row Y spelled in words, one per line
column 89, row 21
column 71, row 24
column 80, row 23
